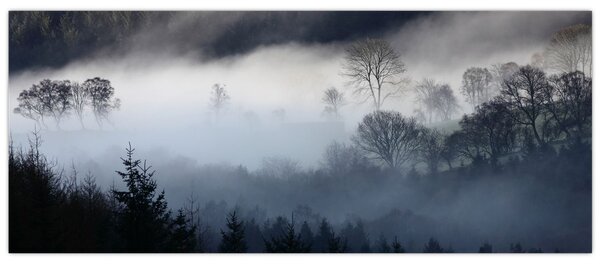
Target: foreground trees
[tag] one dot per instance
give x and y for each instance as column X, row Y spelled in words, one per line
column 375, row 69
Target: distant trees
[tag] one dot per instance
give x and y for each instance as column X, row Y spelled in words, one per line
column 56, row 99
column 374, row 68
column 233, row 241
column 341, row 159
column 476, row 85
column 485, row 248
column 326, row 241
column 433, row 246
column 219, row 99
column 333, row 100
column 436, row 99
column 570, row 50
column 389, row 137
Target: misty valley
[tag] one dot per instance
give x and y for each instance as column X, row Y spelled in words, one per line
column 300, row 132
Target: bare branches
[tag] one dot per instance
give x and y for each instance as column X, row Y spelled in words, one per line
column 570, row 50
column 373, row 67
column 333, row 100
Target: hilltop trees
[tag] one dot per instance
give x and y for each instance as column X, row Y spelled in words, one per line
column 375, row 69
column 388, row 136
column 476, row 85
column 570, row 50
column 436, row 99
column 57, row 99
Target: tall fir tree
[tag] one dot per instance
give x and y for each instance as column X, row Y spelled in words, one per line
column 143, row 218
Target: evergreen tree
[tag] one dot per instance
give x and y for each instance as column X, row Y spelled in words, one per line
column 183, row 236
column 306, row 234
column 516, row 248
column 384, row 247
column 234, row 240
column 143, row 219
column 289, row 242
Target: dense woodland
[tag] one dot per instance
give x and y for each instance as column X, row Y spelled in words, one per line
column 529, row 133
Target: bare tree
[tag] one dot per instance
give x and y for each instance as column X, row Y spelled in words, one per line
column 476, row 85
column 389, row 137
column 101, row 95
column 375, row 69
column 219, row 98
column 501, row 72
column 431, row 149
column 446, row 104
column 333, row 100
column 492, row 128
column 425, row 91
column 524, row 92
column 568, row 98
column 570, row 49
column 436, row 99
column 80, row 99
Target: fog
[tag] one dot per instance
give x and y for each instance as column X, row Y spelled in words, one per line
column 165, row 114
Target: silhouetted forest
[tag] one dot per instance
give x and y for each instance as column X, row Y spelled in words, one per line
column 513, row 175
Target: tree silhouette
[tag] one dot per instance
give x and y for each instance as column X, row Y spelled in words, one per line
column 389, row 136
column 333, row 100
column 101, row 95
column 476, row 85
column 396, row 246
column 183, row 236
column 144, row 217
column 234, row 240
column 570, row 49
column 374, row 68
column 288, row 242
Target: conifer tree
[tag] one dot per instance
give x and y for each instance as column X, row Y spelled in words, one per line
column 183, row 236
column 233, row 241
column 143, row 220
column 396, row 246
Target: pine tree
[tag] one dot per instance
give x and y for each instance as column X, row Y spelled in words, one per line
column 289, row 242
column 143, row 220
column 384, row 247
column 183, row 236
column 234, row 240
column 306, row 234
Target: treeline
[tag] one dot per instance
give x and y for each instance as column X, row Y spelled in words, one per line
column 51, row 210
column 58, row 99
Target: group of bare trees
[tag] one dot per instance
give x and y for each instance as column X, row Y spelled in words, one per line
column 435, row 99
column 57, row 99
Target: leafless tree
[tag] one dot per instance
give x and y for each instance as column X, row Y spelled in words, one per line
column 524, row 92
column 101, row 95
column 446, row 104
column 219, row 98
column 341, row 159
column 568, row 98
column 80, row 99
column 570, row 50
column 501, row 72
column 389, row 137
column 476, row 85
column 333, row 100
column 425, row 91
column 374, row 69
column 431, row 149
column 436, row 99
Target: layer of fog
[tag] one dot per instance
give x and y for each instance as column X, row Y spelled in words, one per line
column 165, row 112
